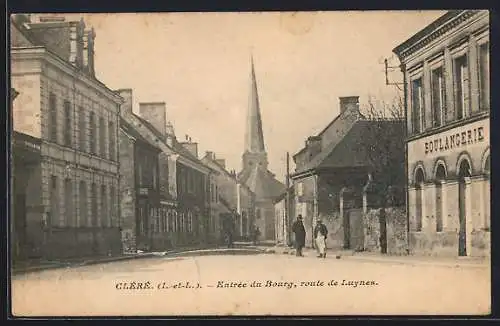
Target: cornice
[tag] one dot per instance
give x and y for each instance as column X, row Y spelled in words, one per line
column 425, row 37
column 41, row 53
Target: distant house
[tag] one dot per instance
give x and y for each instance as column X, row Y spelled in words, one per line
column 334, row 169
column 284, row 219
column 234, row 199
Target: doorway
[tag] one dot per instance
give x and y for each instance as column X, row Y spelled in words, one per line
column 463, row 175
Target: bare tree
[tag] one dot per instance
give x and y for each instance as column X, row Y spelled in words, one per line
column 384, row 150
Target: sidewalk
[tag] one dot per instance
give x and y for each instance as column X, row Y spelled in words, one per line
column 36, row 265
column 374, row 257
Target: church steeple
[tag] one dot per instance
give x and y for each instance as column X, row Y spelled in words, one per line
column 254, row 137
column 254, row 152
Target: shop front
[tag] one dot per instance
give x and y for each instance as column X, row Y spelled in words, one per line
column 449, row 189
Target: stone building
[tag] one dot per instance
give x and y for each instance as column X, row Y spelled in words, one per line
column 335, row 168
column 447, row 87
column 255, row 173
column 231, row 196
column 283, row 219
column 140, row 191
column 67, row 195
column 184, row 211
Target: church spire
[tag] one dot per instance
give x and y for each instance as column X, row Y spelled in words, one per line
column 254, row 138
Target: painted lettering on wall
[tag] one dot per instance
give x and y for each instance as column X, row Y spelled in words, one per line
column 454, row 140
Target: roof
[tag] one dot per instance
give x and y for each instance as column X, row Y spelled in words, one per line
column 176, row 146
column 226, row 172
column 432, row 27
column 320, row 134
column 129, row 129
column 281, row 196
column 347, row 152
column 263, row 184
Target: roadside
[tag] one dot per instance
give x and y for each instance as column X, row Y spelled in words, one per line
column 35, row 265
column 373, row 257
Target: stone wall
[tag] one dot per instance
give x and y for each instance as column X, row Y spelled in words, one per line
column 396, row 231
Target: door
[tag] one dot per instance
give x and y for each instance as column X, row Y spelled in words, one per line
column 462, row 235
column 347, row 229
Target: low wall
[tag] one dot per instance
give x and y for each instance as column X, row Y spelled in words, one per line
column 395, row 227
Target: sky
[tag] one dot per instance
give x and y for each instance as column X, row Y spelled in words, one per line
column 199, row 64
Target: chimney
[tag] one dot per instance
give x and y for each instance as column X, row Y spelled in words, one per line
column 191, row 147
column 88, row 51
column 155, row 113
column 170, row 134
column 126, row 94
column 210, row 155
column 76, row 32
column 221, row 162
column 65, row 38
column 349, row 103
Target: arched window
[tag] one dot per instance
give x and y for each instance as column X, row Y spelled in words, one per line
column 440, row 177
column 419, row 185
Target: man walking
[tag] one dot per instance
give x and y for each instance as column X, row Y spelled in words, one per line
column 320, row 234
column 300, row 235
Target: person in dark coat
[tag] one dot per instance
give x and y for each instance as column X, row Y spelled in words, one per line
column 300, row 235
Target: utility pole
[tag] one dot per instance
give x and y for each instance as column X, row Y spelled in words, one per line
column 286, row 223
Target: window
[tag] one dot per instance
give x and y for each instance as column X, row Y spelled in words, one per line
column 438, row 96
column 484, row 76
column 68, row 203
column 92, row 133
column 52, row 118
column 461, row 76
column 67, row 123
column 81, row 127
column 102, row 137
column 216, row 194
column 111, row 132
column 112, row 206
column 54, row 201
column 300, row 189
column 104, row 207
column 83, row 204
column 417, row 105
column 93, row 200
column 212, row 192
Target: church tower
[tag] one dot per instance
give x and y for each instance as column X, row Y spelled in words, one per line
column 255, row 174
column 255, row 151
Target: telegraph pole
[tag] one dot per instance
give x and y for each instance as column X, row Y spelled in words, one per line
column 286, row 223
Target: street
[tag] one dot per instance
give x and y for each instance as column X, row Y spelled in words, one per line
column 229, row 285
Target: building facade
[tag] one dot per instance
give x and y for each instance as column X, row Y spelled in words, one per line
column 183, row 214
column 233, row 198
column 68, row 198
column 284, row 212
column 140, row 191
column 447, row 87
column 336, row 167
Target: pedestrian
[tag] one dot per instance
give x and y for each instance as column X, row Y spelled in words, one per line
column 320, row 235
column 255, row 235
column 300, row 235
